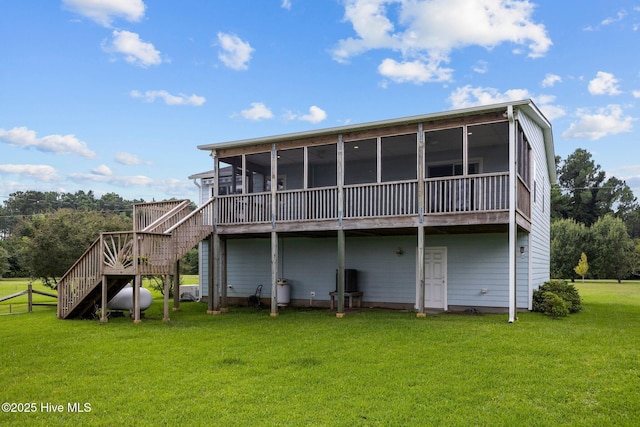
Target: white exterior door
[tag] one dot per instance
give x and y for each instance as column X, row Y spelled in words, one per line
column 435, row 278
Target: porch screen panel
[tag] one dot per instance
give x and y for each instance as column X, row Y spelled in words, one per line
column 488, row 147
column 291, row 168
column 322, row 166
column 230, row 176
column 258, row 172
column 360, row 161
column 443, row 152
column 399, row 157
column 443, row 158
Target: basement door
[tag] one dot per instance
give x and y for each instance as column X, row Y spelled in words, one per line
column 435, row 277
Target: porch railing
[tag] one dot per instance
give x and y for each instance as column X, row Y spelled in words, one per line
column 308, row 205
column 474, row 193
column 379, row 200
column 449, row 195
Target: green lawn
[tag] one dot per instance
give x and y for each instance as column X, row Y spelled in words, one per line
column 306, row 367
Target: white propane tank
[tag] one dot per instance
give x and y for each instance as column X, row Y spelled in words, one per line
column 123, row 300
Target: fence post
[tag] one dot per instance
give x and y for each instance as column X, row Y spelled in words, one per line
column 30, row 297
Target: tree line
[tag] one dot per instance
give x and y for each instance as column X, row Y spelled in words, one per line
column 42, row 234
column 594, row 215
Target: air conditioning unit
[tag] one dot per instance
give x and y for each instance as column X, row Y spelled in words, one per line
column 189, row 292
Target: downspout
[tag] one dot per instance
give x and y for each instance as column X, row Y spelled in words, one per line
column 195, row 182
column 512, row 215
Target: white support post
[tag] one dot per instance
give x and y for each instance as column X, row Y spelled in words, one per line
column 420, row 271
column 274, row 234
column 512, row 213
column 274, row 274
column 420, row 279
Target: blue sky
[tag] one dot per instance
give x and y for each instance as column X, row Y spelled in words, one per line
column 115, row 95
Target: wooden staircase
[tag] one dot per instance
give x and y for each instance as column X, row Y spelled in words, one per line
column 162, row 233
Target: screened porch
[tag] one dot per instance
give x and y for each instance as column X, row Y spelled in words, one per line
column 453, row 170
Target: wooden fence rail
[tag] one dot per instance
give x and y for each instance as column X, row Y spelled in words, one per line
column 29, row 292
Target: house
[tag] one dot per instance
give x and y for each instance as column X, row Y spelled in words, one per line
column 444, row 211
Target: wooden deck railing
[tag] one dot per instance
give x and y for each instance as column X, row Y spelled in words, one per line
column 244, row 209
column 308, row 205
column 380, row 200
column 474, row 193
column 170, row 218
column 145, row 214
column 80, row 279
column 449, row 195
column 192, row 229
column 133, row 253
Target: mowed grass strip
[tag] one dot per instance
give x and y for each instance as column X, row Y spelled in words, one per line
column 306, row 367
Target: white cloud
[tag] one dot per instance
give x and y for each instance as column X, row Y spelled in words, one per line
column 169, row 99
column 235, row 53
column 59, row 144
column 170, row 186
column 551, row 79
column 609, row 120
column 619, row 17
column 604, row 84
column 316, row 115
column 468, row 96
column 414, row 71
column 120, row 181
column 130, row 159
column 286, row 4
column 425, row 32
column 258, row 111
column 135, row 51
column 102, row 170
column 105, row 11
column 481, row 67
column 636, row 93
column 38, row 172
column 174, row 187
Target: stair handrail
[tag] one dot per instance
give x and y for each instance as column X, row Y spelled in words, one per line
column 170, row 214
column 95, row 242
column 203, row 207
column 63, row 285
column 201, row 220
column 163, row 207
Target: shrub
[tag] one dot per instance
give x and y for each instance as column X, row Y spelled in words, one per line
column 567, row 292
column 554, row 305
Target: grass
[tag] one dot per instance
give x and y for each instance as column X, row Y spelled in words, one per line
column 305, row 367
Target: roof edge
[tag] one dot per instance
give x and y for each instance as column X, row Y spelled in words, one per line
column 375, row 124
